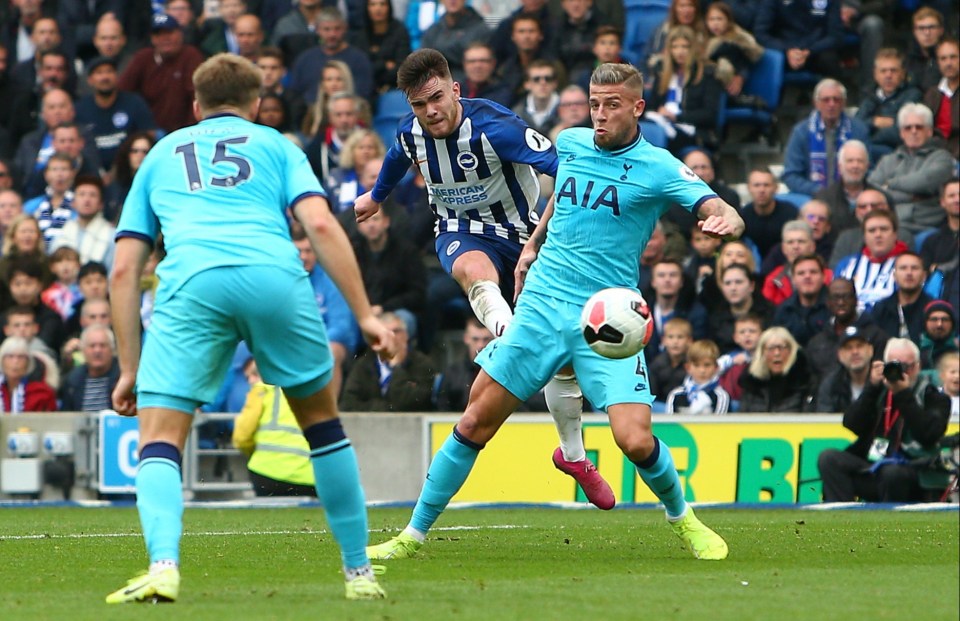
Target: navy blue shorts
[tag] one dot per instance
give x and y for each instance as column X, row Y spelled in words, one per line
column 503, row 253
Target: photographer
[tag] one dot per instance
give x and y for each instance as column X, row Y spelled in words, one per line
column 899, row 418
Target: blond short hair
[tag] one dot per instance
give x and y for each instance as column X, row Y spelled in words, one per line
column 618, row 73
column 703, row 351
column 226, row 81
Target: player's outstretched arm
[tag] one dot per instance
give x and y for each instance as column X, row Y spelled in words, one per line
column 336, row 256
column 720, row 219
column 531, row 249
column 131, row 255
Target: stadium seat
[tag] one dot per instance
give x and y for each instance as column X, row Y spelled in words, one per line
column 391, row 107
column 794, row 198
column 921, row 237
column 643, row 17
column 653, row 134
column 765, row 82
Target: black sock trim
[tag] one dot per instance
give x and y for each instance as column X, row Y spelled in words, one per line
column 459, row 437
column 652, row 458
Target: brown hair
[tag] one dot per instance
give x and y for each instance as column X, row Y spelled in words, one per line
column 226, row 81
column 618, row 73
column 692, row 71
column 703, row 351
column 419, row 68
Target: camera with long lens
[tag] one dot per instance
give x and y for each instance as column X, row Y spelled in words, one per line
column 893, row 371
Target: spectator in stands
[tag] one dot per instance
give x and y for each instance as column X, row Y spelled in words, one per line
column 939, row 333
column 393, row 272
column 386, row 42
column 325, row 148
column 300, row 20
column 343, row 185
column 853, row 162
column 700, row 392
column 666, row 370
column 669, row 298
column 6, row 179
column 15, row 36
column 573, row 110
column 607, row 48
column 249, row 32
column 219, row 34
column 11, row 206
column 879, row 109
column 850, row 241
column 186, row 15
column 538, row 108
column 69, row 140
column 163, row 74
column 808, row 33
column 305, row 73
column 479, row 80
column 45, row 36
column 731, row 252
column 805, row 312
column 267, row 432
column 922, row 69
column 92, row 280
column 872, row 269
column 89, row 232
column 939, row 250
column 914, row 172
column 274, row 71
column 457, row 378
column 732, row 48
column 681, row 13
column 64, row 292
column 21, row 321
column 23, row 240
column 810, row 160
column 796, row 241
column 110, row 114
column 821, row 350
column 130, row 156
column 817, row 215
column 273, row 113
column 948, row 371
column 110, row 41
column 25, row 288
column 739, row 297
column 54, row 207
column 402, row 384
column 529, row 44
column 460, row 26
column 867, row 21
column 90, row 311
column 765, row 216
column 901, row 313
column 573, row 35
column 698, row 266
column 17, row 393
column 25, row 111
column 335, row 77
column 942, row 98
column 502, row 39
column 778, row 378
column 88, row 387
column 683, row 89
column 845, row 384
column 899, row 417
column 746, row 334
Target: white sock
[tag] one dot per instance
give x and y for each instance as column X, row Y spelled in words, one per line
column 489, row 306
column 158, row 566
column 352, row 573
column 416, row 534
column 565, row 402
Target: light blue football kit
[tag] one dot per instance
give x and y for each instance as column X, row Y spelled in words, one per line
column 606, row 206
column 219, row 192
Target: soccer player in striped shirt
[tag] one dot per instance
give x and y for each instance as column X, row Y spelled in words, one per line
column 480, row 162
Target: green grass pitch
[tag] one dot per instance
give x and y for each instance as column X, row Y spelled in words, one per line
column 496, row 565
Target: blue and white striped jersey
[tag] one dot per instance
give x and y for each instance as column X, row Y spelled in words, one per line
column 482, row 179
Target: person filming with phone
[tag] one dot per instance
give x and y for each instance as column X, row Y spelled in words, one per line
column 899, row 419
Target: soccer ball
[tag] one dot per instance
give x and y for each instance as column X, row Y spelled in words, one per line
column 616, row 322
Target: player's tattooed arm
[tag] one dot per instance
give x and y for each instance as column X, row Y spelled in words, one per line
column 719, row 219
column 530, row 250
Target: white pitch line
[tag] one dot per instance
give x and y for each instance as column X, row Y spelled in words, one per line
column 229, row 533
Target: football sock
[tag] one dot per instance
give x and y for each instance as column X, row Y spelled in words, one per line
column 488, row 304
column 338, row 486
column 565, row 402
column 448, row 470
column 660, row 475
column 160, row 501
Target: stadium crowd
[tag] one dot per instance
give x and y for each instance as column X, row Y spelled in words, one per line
column 863, row 247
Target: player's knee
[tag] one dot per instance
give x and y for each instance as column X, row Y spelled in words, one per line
column 637, row 444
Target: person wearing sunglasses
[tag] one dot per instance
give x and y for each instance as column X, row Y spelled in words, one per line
column 913, row 173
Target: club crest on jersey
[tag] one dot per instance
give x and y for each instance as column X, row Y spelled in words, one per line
column 453, row 247
column 536, row 141
column 467, row 161
column 688, row 174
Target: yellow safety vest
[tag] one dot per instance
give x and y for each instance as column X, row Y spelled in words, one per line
column 281, row 451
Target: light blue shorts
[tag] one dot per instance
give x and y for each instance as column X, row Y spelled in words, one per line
column 194, row 333
column 543, row 337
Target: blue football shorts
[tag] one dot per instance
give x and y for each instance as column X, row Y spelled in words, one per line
column 544, row 337
column 194, row 333
column 503, row 253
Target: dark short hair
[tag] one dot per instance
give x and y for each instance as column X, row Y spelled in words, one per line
column 605, row 30
column 27, row 266
column 89, row 180
column 92, row 267
column 419, row 68
column 816, row 258
column 19, row 309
